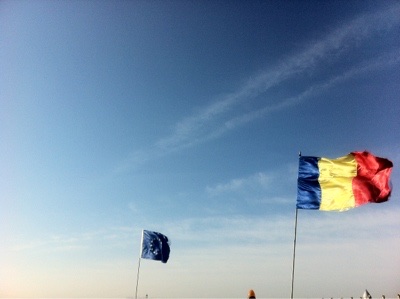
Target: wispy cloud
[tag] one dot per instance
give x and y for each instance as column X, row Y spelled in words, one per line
column 381, row 62
column 313, row 227
column 260, row 179
column 220, row 116
column 51, row 244
column 73, row 242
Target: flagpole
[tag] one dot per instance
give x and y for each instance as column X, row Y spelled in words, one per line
column 294, row 252
column 137, row 278
column 140, row 256
column 294, row 247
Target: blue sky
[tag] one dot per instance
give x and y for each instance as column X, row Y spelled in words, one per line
column 187, row 117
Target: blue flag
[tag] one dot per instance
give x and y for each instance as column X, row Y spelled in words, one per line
column 155, row 246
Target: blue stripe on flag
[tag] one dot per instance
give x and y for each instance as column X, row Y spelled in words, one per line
column 308, row 187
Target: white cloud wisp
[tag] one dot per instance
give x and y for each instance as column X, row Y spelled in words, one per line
column 219, row 117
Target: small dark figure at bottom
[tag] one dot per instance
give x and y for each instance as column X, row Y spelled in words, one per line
column 251, row 295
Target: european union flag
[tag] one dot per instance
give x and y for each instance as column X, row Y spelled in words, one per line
column 155, row 246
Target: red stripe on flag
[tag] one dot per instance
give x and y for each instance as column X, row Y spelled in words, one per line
column 372, row 181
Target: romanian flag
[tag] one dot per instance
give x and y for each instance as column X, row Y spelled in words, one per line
column 343, row 183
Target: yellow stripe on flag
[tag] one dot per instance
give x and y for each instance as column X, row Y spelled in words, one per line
column 335, row 179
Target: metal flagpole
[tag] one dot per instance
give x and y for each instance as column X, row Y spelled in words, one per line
column 140, row 257
column 294, row 253
column 137, row 279
column 294, row 247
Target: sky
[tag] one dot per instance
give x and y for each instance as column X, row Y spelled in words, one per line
column 187, row 118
